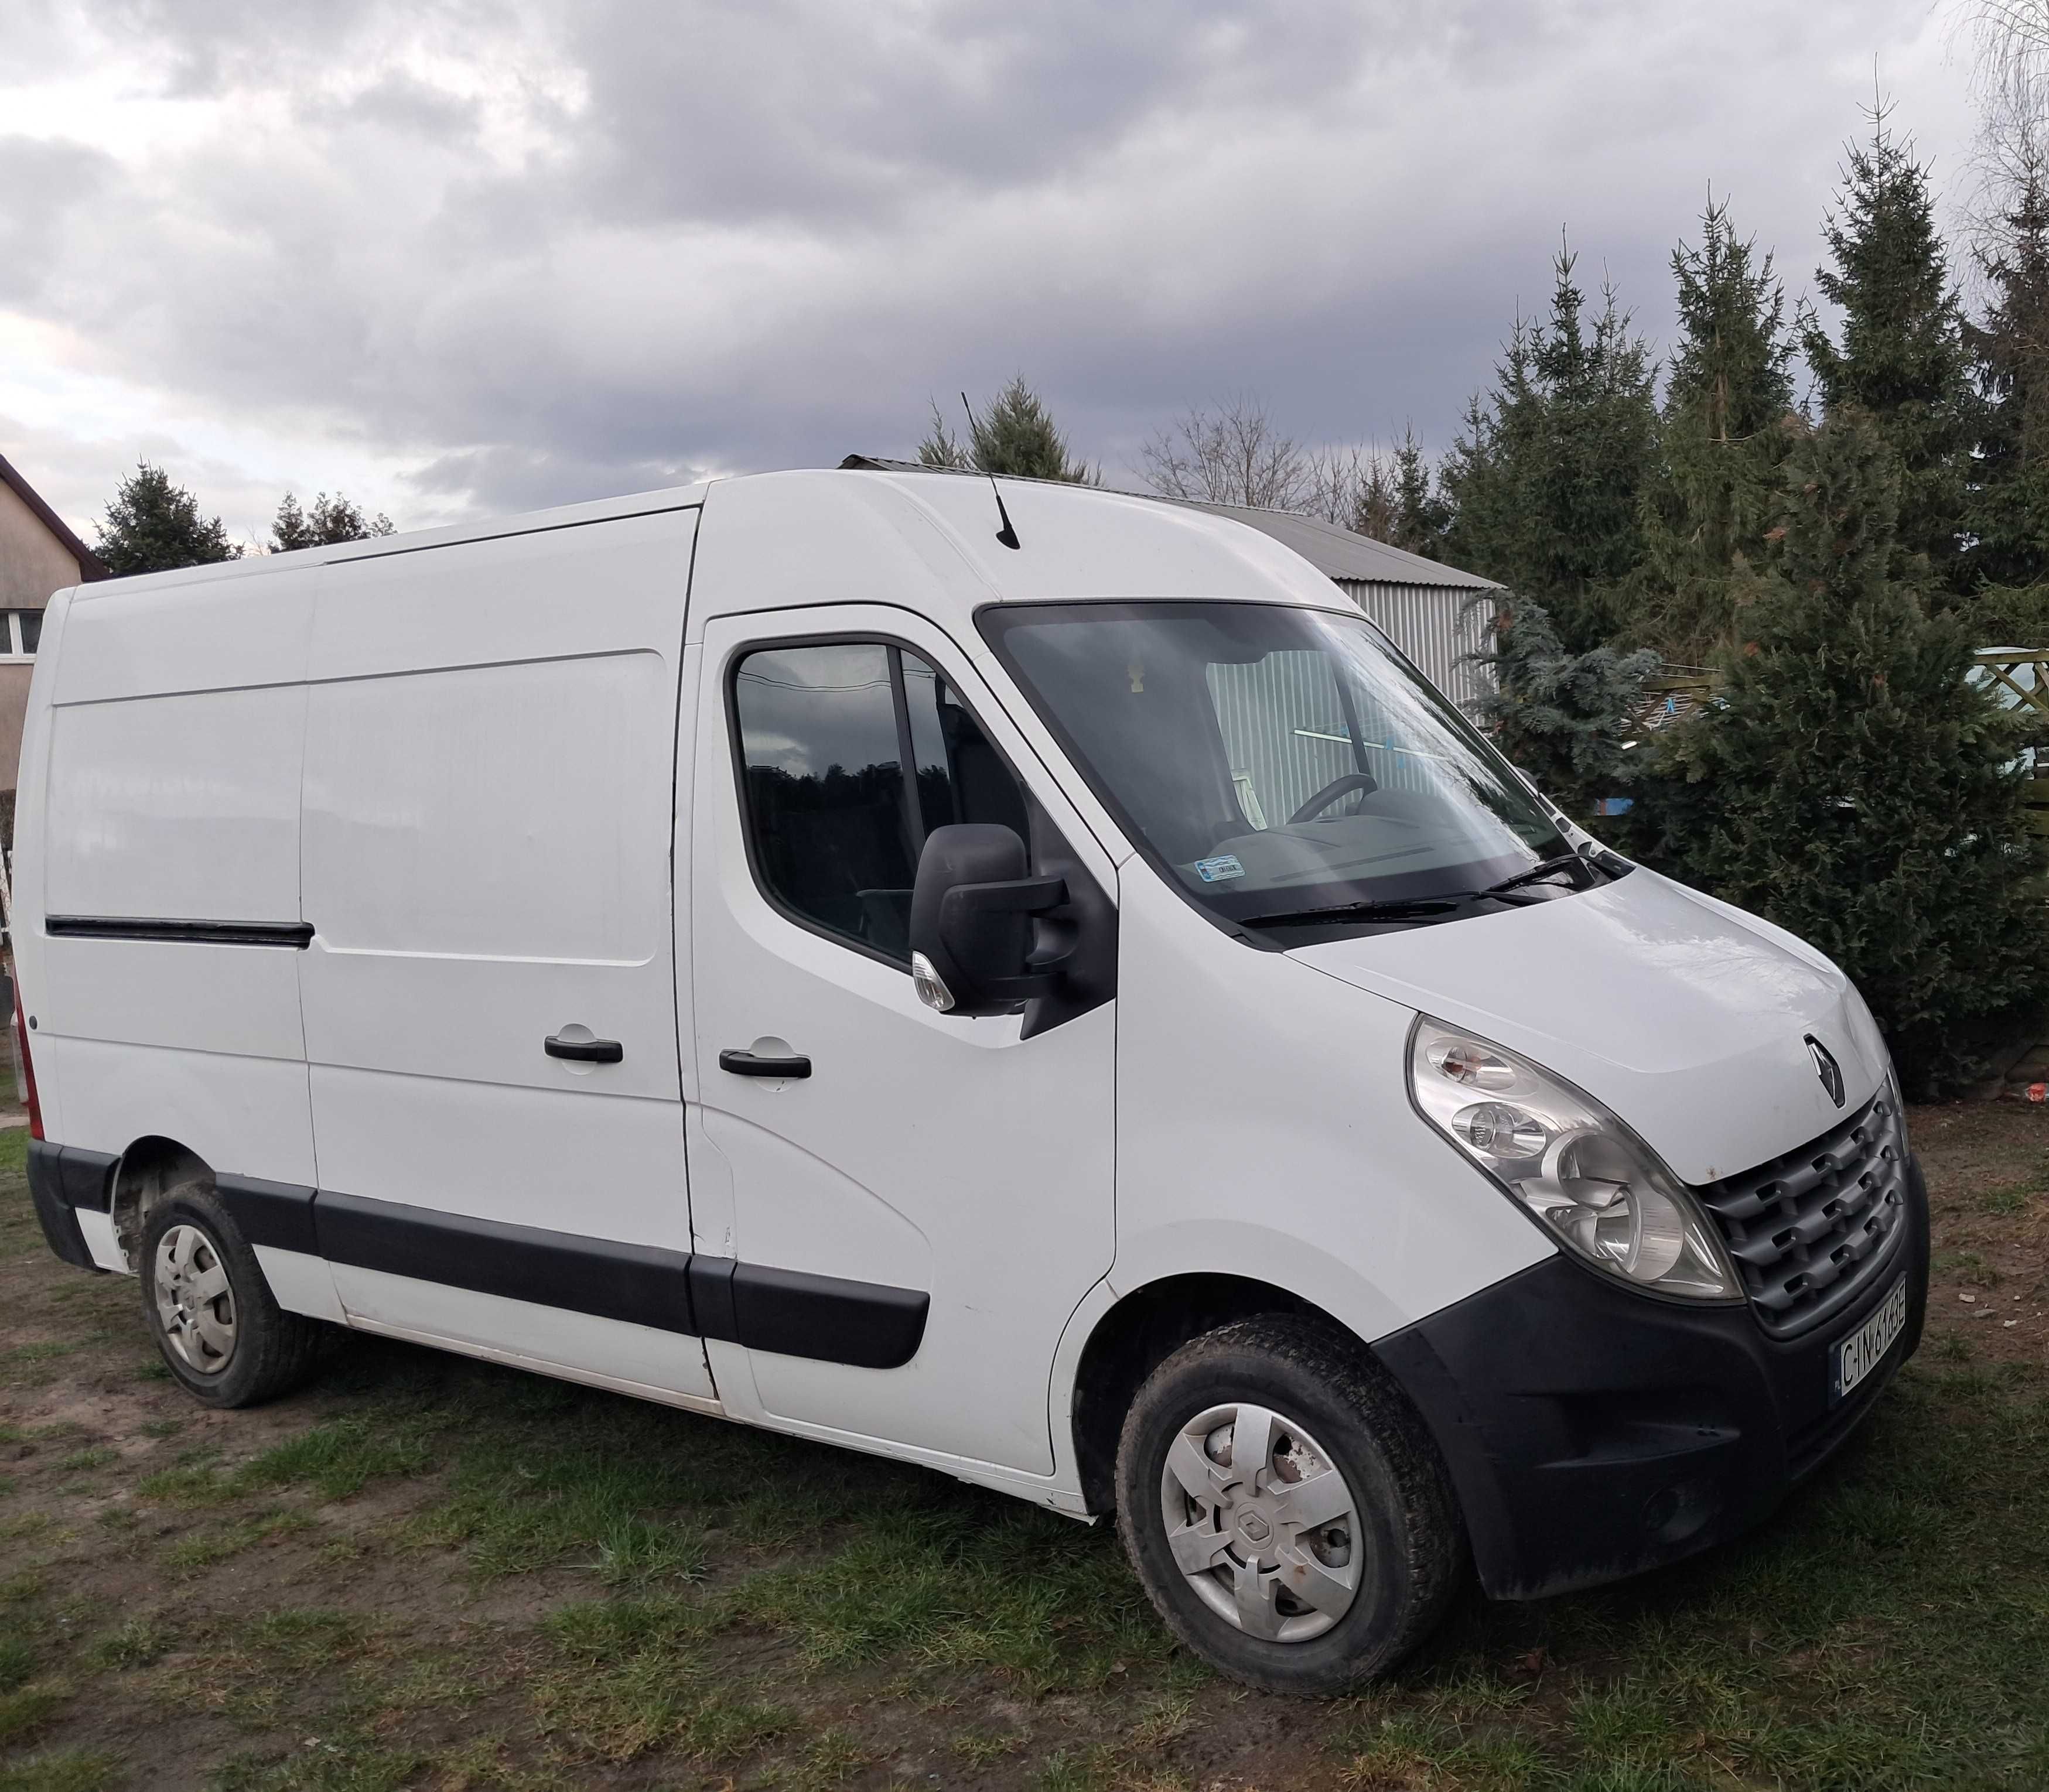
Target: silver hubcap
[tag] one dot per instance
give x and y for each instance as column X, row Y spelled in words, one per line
column 1261, row 1522
column 194, row 1303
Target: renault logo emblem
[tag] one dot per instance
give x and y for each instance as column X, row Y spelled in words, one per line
column 1827, row 1069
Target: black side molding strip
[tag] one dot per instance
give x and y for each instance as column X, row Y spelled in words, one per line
column 867, row 1325
column 642, row 1285
column 277, row 1214
column 297, row 934
column 828, row 1319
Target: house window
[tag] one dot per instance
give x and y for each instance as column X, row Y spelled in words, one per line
column 24, row 630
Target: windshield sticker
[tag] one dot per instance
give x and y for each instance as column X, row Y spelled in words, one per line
column 1216, row 870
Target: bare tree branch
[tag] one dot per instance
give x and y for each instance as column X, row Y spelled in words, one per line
column 1234, row 454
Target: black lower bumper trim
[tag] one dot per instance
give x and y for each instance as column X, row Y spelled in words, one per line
column 51, row 1187
column 1593, row 1432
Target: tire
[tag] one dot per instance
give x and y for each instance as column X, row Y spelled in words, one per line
column 224, row 1337
column 1269, row 1587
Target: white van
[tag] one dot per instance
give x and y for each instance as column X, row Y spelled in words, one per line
column 1070, row 1006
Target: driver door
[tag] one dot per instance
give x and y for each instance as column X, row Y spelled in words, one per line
column 913, row 1203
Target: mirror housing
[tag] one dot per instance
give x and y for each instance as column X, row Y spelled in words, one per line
column 971, row 922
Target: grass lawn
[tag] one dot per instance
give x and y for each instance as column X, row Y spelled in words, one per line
column 427, row 1573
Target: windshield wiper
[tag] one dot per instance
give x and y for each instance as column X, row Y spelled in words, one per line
column 1390, row 911
column 1543, row 868
column 1401, row 907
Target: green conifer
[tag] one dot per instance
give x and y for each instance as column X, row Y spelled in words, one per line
column 1902, row 359
column 1851, row 783
column 1563, row 718
column 1547, row 473
column 1015, row 435
column 330, row 521
column 154, row 525
column 1721, row 435
column 2007, row 518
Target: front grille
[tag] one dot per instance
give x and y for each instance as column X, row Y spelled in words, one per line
column 1809, row 1230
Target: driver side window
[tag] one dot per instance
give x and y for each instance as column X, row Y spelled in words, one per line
column 823, row 731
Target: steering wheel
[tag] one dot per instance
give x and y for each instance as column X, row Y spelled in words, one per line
column 1330, row 793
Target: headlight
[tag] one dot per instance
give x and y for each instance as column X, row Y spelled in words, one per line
column 1585, row 1176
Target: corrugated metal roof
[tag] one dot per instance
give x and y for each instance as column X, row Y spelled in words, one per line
column 1339, row 553
column 1335, row 552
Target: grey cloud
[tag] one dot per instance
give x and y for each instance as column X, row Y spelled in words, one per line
column 727, row 236
column 519, row 478
column 206, row 48
column 398, row 101
column 845, row 112
column 42, row 181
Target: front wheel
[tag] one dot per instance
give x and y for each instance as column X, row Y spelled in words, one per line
column 1285, row 1508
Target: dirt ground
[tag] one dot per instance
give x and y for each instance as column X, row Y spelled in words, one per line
column 426, row 1572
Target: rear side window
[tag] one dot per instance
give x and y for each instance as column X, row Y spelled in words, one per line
column 834, row 828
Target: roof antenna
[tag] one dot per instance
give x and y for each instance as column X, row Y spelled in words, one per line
column 1007, row 535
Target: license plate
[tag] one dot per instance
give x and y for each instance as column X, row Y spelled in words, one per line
column 1857, row 1355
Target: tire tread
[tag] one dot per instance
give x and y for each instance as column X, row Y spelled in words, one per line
column 1435, row 1539
column 275, row 1351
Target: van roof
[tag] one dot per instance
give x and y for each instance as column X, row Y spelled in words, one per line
column 256, row 566
column 1086, row 535
column 1333, row 550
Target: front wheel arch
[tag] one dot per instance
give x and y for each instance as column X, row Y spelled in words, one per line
column 1134, row 1337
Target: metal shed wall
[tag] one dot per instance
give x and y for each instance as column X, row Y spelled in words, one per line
column 1437, row 626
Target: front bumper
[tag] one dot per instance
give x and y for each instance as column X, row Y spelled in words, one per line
column 1593, row 1432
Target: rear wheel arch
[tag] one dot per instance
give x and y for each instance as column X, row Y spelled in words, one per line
column 149, row 1170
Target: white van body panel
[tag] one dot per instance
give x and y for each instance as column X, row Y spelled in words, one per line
column 1685, row 1019
column 176, row 732
column 1264, row 1129
column 488, row 822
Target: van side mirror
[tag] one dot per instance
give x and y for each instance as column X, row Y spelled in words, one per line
column 971, row 912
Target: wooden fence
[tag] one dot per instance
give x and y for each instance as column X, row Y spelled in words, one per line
column 2018, row 679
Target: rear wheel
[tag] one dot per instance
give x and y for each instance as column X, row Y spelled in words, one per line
column 222, row 1335
column 1285, row 1508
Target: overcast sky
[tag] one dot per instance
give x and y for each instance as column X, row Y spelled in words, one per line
column 455, row 257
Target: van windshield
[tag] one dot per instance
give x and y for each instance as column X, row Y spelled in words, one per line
column 1279, row 764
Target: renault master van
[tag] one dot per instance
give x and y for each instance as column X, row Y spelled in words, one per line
column 1051, row 995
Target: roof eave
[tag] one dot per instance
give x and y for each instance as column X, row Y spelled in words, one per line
column 90, row 566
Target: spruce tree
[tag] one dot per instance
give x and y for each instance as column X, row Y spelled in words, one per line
column 1420, row 513
column 1850, row 783
column 154, row 525
column 331, row 521
column 1015, row 435
column 1547, row 474
column 1902, row 359
column 2007, row 516
column 1563, row 718
column 1391, row 497
column 1721, row 436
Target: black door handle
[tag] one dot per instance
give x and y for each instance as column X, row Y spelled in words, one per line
column 584, row 1050
column 745, row 1063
